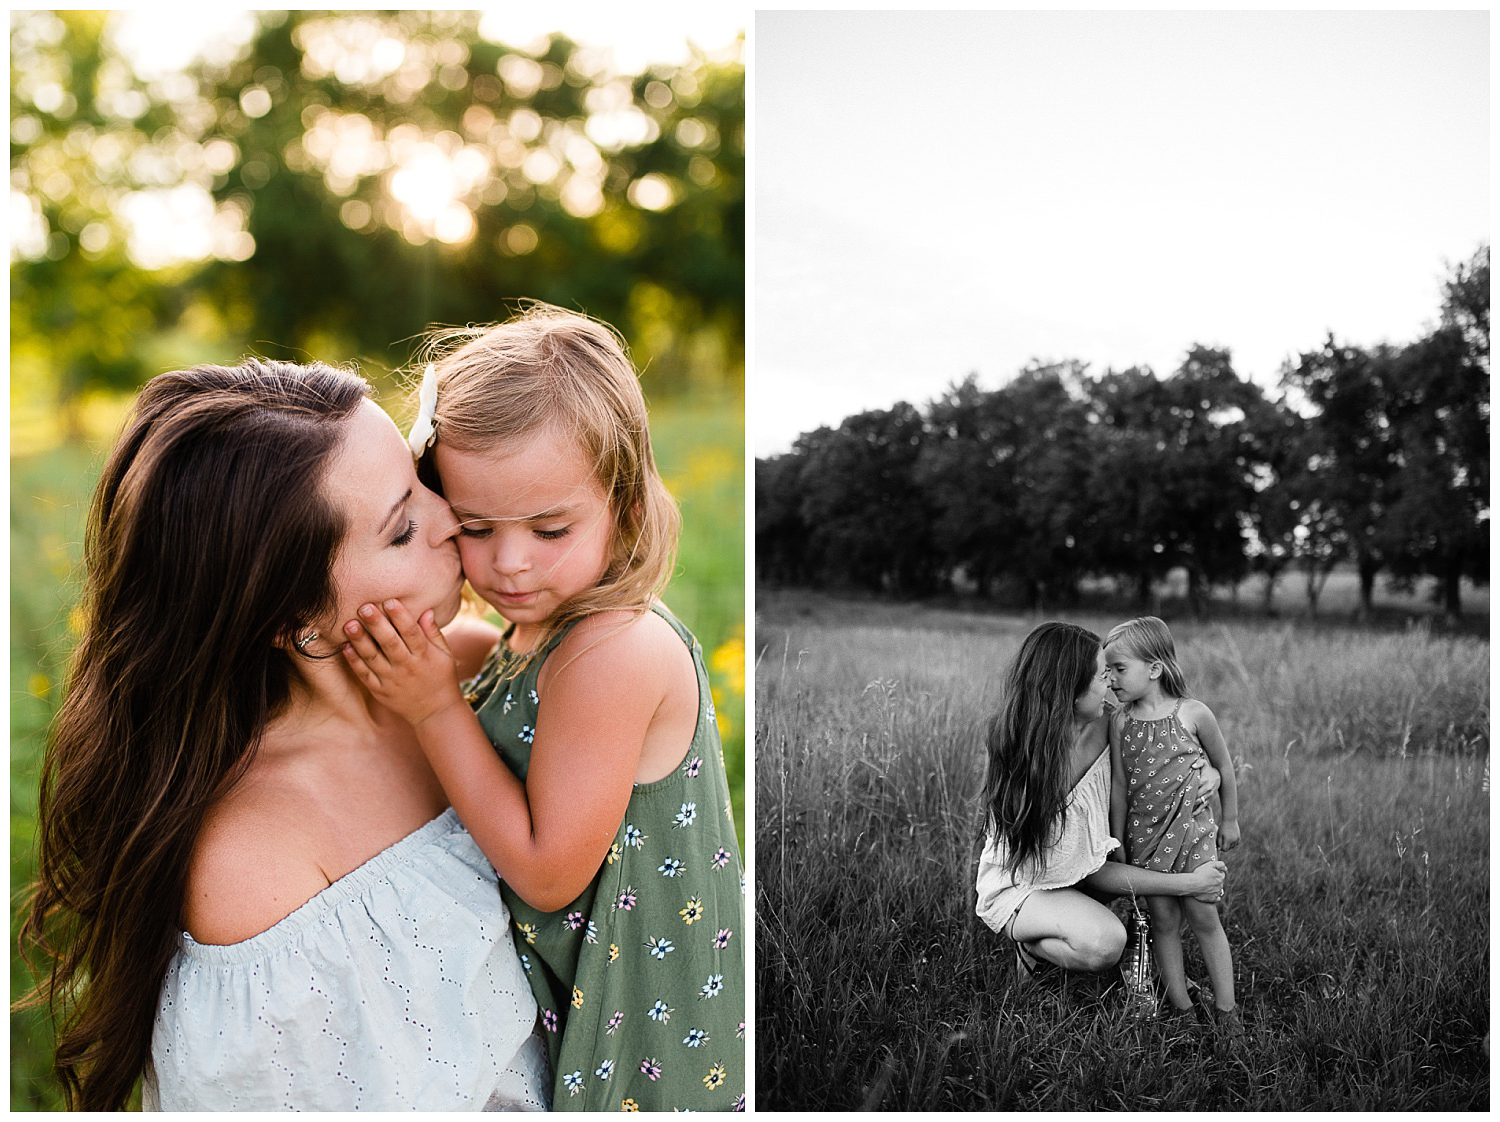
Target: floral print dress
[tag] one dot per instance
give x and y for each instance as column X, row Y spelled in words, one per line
column 641, row 979
column 1162, row 830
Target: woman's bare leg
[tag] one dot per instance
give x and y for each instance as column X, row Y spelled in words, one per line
column 1204, row 920
column 1166, row 947
column 1063, row 926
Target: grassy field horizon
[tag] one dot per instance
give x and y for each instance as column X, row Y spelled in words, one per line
column 1337, row 603
column 1357, row 909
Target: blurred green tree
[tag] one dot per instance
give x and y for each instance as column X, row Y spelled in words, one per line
column 82, row 145
column 357, row 176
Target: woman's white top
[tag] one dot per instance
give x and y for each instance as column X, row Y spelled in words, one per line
column 395, row 988
column 1084, row 846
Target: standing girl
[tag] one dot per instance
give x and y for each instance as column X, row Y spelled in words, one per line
column 1046, row 811
column 1157, row 735
column 589, row 770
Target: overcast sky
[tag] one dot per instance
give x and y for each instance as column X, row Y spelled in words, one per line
column 936, row 194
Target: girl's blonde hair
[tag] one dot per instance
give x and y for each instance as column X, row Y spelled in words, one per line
column 551, row 368
column 1148, row 639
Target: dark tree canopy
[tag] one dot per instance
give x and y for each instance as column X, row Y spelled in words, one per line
column 1378, row 457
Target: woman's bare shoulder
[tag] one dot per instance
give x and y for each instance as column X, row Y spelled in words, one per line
column 253, row 864
column 1097, row 730
column 1093, row 739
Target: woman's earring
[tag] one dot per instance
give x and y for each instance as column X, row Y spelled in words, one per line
column 307, row 640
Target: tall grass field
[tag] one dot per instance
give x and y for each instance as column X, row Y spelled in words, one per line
column 1357, row 906
column 700, row 453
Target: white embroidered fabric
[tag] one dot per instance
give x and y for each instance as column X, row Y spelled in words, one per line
column 396, row 988
column 1082, row 849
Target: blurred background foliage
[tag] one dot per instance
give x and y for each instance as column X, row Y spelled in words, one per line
column 349, row 178
column 328, row 185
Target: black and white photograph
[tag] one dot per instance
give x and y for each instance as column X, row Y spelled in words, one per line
column 1119, row 405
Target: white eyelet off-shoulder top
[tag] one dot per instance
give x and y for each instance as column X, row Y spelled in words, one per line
column 395, row 988
column 1082, row 848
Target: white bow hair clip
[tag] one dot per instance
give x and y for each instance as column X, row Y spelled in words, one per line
column 423, row 431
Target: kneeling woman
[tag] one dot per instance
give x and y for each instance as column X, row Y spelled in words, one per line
column 1046, row 803
column 255, row 892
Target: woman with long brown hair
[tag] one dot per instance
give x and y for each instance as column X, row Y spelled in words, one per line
column 251, row 888
column 1046, row 812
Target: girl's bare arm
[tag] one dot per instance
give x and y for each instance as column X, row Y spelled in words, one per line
column 548, row 836
column 1199, row 719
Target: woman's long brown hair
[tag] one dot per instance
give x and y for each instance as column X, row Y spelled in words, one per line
column 1030, row 741
column 209, row 545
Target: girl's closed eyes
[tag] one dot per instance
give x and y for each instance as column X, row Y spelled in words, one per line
column 480, row 532
column 480, row 528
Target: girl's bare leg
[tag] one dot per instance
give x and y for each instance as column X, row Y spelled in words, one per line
column 1166, row 947
column 1063, row 926
column 1204, row 920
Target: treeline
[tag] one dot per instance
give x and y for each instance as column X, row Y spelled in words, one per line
column 1375, row 456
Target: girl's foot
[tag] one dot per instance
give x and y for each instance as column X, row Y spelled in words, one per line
column 1177, row 1020
column 1227, row 1023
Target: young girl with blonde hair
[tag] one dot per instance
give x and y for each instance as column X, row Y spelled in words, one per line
column 589, row 769
column 1156, row 737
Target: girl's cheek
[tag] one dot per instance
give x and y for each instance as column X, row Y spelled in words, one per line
column 466, row 557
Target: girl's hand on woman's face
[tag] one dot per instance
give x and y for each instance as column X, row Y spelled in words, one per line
column 405, row 663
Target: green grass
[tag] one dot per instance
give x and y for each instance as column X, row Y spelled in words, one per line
column 47, row 515
column 700, row 452
column 1358, row 907
column 699, row 449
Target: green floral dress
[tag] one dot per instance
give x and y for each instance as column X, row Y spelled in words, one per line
column 641, row 980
